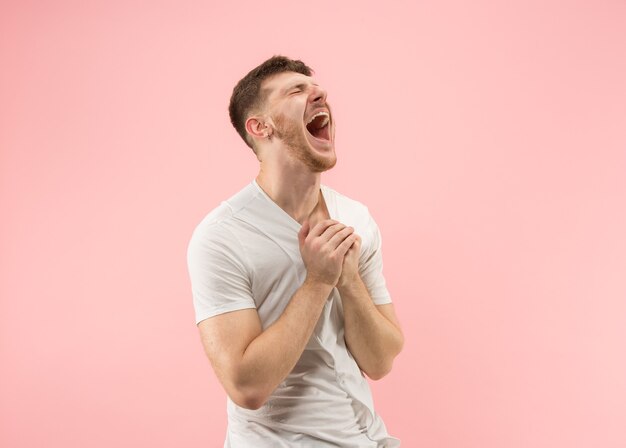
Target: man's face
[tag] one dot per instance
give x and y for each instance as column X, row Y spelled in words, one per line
column 302, row 119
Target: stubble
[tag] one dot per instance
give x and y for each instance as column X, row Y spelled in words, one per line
column 292, row 135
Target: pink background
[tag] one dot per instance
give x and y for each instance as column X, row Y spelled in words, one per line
column 487, row 138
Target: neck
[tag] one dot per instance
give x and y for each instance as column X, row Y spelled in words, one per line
column 296, row 191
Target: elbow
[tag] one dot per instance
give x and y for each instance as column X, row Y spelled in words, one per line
column 399, row 343
column 247, row 395
column 380, row 372
column 375, row 376
column 383, row 368
column 248, row 399
column 251, row 403
column 241, row 391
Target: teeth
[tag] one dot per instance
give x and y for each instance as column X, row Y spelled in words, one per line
column 317, row 115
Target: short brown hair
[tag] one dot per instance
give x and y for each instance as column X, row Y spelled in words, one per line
column 247, row 95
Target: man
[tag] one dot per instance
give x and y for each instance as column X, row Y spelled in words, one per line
column 287, row 282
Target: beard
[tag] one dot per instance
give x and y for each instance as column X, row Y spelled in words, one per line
column 291, row 133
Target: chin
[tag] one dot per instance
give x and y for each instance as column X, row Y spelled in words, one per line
column 317, row 162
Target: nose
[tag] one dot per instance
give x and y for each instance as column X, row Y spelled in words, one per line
column 318, row 95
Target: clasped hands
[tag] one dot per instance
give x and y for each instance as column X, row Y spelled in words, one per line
column 330, row 251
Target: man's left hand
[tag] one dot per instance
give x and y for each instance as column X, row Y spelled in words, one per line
column 350, row 268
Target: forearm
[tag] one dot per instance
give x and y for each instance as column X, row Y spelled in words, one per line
column 270, row 357
column 373, row 340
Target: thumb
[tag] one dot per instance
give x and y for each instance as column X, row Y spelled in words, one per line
column 304, row 231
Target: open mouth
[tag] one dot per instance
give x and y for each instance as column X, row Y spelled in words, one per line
column 318, row 126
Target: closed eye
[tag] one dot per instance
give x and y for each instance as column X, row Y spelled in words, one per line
column 296, row 88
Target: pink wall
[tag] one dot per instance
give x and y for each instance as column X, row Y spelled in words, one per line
column 487, row 138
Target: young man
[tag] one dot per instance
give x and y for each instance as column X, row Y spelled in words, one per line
column 287, row 281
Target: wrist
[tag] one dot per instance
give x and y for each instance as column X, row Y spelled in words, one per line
column 317, row 285
column 348, row 284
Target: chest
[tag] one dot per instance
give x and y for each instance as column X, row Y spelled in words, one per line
column 275, row 268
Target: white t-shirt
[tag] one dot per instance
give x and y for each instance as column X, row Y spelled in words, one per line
column 245, row 254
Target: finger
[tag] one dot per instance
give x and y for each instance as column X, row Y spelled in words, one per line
column 345, row 244
column 321, row 226
column 304, row 231
column 339, row 237
column 356, row 245
column 331, row 231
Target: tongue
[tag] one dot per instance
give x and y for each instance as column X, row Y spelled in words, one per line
column 316, row 130
column 320, row 133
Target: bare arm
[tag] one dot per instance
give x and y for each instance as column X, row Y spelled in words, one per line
column 372, row 332
column 251, row 363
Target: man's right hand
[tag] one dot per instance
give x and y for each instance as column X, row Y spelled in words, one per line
column 323, row 248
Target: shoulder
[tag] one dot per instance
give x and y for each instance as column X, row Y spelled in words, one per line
column 345, row 205
column 348, row 210
column 354, row 213
column 219, row 225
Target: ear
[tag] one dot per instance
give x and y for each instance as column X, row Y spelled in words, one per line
column 258, row 127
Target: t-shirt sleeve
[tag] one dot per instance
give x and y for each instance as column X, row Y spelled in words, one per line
column 219, row 279
column 371, row 266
